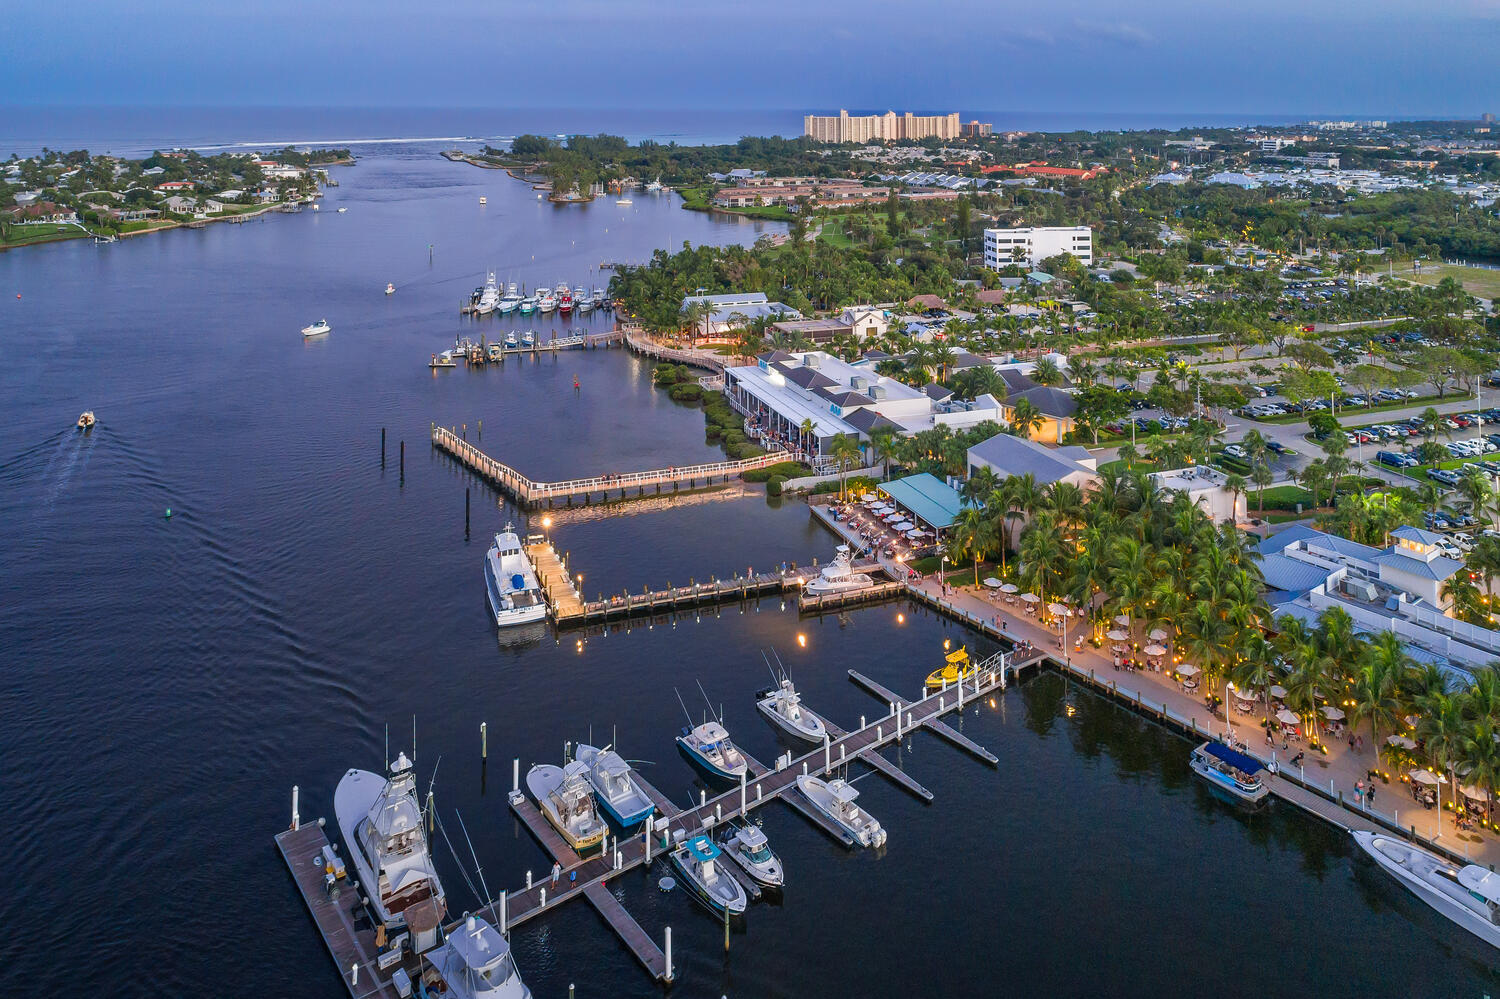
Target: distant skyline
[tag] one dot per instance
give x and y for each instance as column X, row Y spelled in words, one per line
column 1383, row 58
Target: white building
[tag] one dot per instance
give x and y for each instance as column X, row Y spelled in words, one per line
column 1208, row 489
column 1033, row 244
column 735, row 310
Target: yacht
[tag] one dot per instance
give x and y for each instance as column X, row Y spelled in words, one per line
column 1469, row 895
column 568, row 803
column 698, row 862
column 475, row 962
column 783, row 706
column 835, row 799
column 510, row 580
column 1229, row 771
column 483, row 200
column 86, row 420
column 581, row 300
column 615, row 786
column 489, row 297
column 511, row 343
column 624, row 202
column 528, row 305
column 708, row 745
column 655, row 186
column 317, row 329
column 838, row 576
column 956, row 666
column 564, row 299
column 510, row 302
column 748, row 847
column 528, row 339
column 343, row 210
column 598, row 297
column 390, row 288
column 383, row 829
column 545, row 302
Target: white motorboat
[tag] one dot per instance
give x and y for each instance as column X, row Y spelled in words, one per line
column 1229, row 771
column 545, row 303
column 317, row 329
column 390, row 288
column 598, row 297
column 615, row 786
column 475, row 962
column 343, row 210
column 655, row 186
column 510, row 302
column 783, row 705
column 511, row 342
column 624, row 202
column 581, row 300
column 483, row 200
column 86, row 420
column 838, row 576
column 567, row 800
column 489, row 297
column 528, row 339
column 698, row 862
column 835, row 799
column 708, row 745
column 1470, row 895
column 382, row 826
column 748, row 847
column 509, row 578
column 528, row 305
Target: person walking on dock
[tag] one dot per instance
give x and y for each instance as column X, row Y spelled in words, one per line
column 556, row 873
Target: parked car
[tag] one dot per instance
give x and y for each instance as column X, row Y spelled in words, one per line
column 1443, row 475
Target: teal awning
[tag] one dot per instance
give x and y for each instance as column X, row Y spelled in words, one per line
column 927, row 497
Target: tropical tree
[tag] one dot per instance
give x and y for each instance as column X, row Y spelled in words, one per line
column 844, row 450
column 1025, row 418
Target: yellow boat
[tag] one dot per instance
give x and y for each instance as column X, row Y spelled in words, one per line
column 958, row 667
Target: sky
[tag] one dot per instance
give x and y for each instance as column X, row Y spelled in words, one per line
column 1393, row 58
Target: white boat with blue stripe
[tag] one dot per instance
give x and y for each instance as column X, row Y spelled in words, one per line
column 708, row 746
column 615, row 787
column 1230, row 771
column 509, row 578
column 698, row 862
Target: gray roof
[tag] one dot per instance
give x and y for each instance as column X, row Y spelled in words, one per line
column 1283, row 573
column 808, row 378
column 865, row 420
column 1419, row 535
column 1048, row 400
column 1439, row 568
column 773, row 356
column 935, row 391
column 846, row 398
column 1283, row 540
column 1011, row 455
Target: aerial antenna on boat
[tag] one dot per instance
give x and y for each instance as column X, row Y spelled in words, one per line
column 387, row 749
column 479, row 871
column 414, row 740
column 684, row 705
column 775, row 680
column 720, row 716
column 432, row 781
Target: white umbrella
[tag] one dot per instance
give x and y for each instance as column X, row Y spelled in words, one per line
column 1471, row 792
column 870, row 498
column 1059, row 609
column 1031, row 598
column 1400, row 740
column 1157, row 635
column 904, row 525
column 1116, row 636
column 1277, row 690
column 1010, row 588
column 1332, row 713
column 1287, row 718
column 914, row 535
column 1156, row 650
column 991, row 582
column 1122, row 619
column 1244, row 695
column 1427, row 777
column 1187, row 669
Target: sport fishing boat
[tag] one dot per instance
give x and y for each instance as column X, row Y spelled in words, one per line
column 708, row 746
column 475, row 962
column 528, row 339
column 698, row 862
column 1229, row 771
column 382, row 826
column 510, row 340
column 510, row 302
column 835, row 799
column 317, row 329
column 509, row 578
column 838, row 576
column 1469, row 895
column 545, row 302
column 783, row 706
column 564, row 299
column 655, row 186
column 615, row 787
column 568, row 803
column 748, row 847
column 581, row 300
column 86, row 420
column 489, row 297
column 956, row 666
column 390, row 288
column 598, row 298
column 527, row 305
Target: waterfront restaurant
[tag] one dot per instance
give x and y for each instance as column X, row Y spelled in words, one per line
column 928, row 499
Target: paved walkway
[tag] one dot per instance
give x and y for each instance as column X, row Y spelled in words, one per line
column 1336, row 773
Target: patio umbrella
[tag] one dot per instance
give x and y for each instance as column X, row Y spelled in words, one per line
column 1287, row 718
column 1472, row 793
column 1123, row 619
column 1427, row 777
column 1278, row 691
column 1332, row 713
column 1157, row 635
column 1400, row 740
column 1156, row 650
column 1009, row 588
column 1244, row 695
column 992, row 582
column 1031, row 598
column 1059, row 609
column 905, row 525
column 870, row 498
column 913, row 535
column 1188, row 669
column 1117, row 636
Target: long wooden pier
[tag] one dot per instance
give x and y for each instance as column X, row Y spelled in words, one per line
column 530, row 493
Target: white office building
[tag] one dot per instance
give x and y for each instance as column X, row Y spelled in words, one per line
column 1033, row 244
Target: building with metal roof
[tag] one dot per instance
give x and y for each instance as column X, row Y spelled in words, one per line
column 927, row 498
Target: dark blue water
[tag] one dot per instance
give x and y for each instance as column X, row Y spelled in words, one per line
column 168, row 681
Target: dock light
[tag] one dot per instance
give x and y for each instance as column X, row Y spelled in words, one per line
column 900, row 618
column 801, row 640
column 947, row 644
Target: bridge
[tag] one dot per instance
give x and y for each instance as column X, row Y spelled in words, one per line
column 530, row 493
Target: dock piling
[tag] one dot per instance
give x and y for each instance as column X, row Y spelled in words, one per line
column 668, row 975
column 466, row 513
column 296, row 822
column 743, row 809
column 382, row 447
column 484, row 740
column 504, row 915
column 515, row 775
column 403, row 462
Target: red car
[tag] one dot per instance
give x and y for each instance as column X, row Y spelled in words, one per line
column 1308, row 329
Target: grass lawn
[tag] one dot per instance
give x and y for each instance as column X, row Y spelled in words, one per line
column 696, row 198
column 1120, row 466
column 1480, row 281
column 25, row 235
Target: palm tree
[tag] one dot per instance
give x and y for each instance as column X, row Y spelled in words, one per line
column 844, row 450
column 1377, row 686
column 882, row 440
column 971, row 536
column 1025, row 418
column 807, row 429
column 1046, row 372
column 980, row 485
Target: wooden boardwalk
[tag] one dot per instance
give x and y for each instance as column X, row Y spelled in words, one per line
column 564, row 602
column 626, row 485
column 346, row 930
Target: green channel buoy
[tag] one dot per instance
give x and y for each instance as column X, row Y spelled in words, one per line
column 169, row 513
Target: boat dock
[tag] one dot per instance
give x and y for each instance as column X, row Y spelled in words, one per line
column 530, row 494
column 491, row 352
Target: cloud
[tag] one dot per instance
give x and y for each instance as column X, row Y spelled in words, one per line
column 1113, row 31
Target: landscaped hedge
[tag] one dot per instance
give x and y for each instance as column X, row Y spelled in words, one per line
column 774, row 484
column 785, row 469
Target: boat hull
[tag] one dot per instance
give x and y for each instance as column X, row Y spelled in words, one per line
column 1447, row 906
column 1223, row 785
column 623, row 821
column 707, row 765
column 703, row 895
column 787, row 725
column 356, row 792
column 504, row 616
